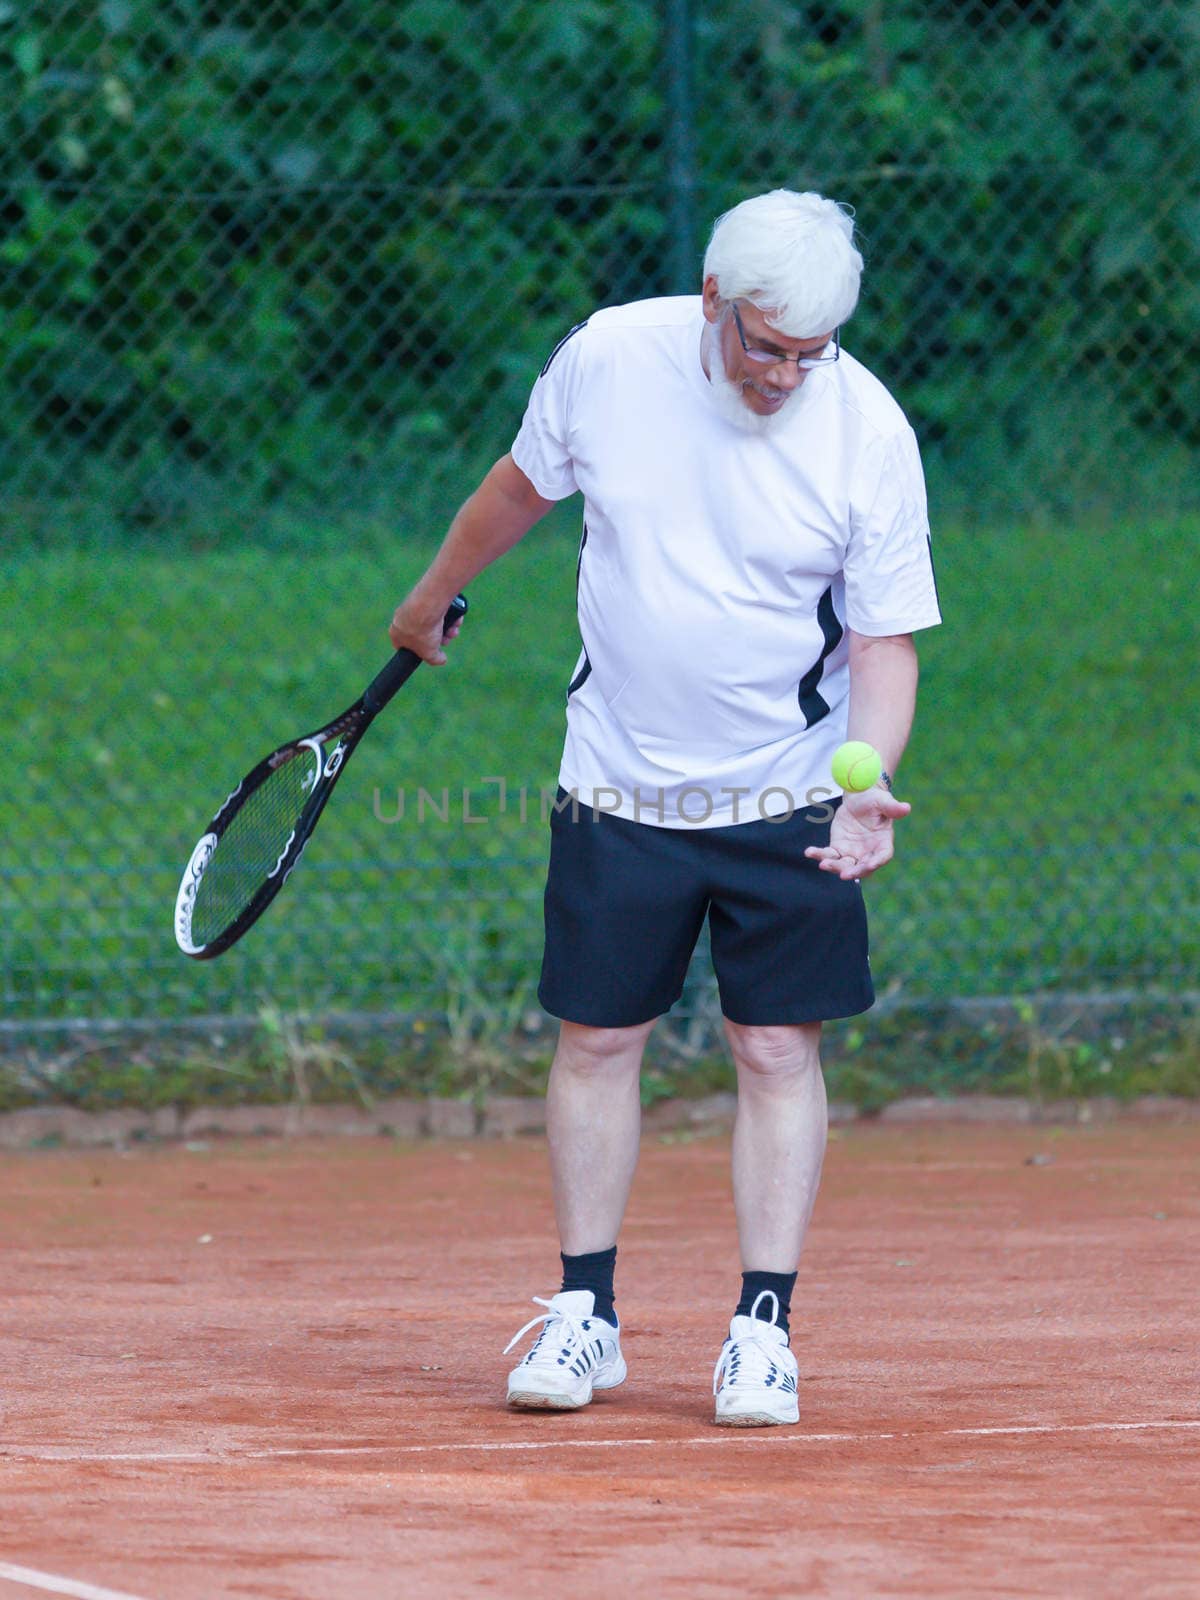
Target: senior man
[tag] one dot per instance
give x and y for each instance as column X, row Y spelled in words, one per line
column 755, row 559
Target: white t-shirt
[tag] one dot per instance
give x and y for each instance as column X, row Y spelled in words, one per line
column 719, row 568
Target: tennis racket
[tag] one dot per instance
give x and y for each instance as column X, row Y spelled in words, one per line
column 248, row 849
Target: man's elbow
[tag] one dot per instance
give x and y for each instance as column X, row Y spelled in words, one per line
column 902, row 643
column 507, row 477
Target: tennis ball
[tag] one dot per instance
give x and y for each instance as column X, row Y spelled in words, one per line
column 856, row 766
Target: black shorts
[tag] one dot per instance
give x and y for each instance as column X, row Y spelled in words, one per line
column 625, row 903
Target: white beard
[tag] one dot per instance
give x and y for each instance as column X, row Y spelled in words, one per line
column 728, row 395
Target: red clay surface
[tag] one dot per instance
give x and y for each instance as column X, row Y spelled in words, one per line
column 998, row 1360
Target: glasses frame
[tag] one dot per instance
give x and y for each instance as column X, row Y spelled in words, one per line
column 767, row 358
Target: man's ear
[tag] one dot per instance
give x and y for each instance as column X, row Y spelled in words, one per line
column 712, row 299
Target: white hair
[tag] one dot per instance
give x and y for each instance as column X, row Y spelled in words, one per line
column 791, row 255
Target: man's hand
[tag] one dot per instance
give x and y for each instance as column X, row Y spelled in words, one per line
column 860, row 837
column 413, row 629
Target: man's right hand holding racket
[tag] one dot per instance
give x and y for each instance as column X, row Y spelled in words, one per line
column 410, row 631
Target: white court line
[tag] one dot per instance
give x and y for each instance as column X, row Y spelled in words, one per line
column 491, row 1447
column 55, row 1585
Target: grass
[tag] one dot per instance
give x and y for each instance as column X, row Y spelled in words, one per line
column 1053, row 843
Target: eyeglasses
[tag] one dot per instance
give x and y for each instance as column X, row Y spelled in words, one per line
column 775, row 358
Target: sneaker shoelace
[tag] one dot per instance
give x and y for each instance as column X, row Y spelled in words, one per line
column 752, row 1359
column 562, row 1338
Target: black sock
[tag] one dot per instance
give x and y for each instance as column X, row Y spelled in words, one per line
column 780, row 1284
column 594, row 1272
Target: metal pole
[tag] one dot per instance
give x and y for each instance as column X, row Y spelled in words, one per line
column 683, row 259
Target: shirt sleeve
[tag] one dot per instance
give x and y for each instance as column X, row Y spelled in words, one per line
column 542, row 448
column 890, row 582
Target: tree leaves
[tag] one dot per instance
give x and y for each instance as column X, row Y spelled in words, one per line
column 284, row 215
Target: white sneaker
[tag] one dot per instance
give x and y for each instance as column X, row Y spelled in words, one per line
column 756, row 1373
column 574, row 1354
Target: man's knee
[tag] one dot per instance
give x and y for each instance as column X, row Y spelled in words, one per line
column 786, row 1051
column 587, row 1050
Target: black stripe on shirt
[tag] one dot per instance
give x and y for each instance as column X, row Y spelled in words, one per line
column 812, row 703
column 579, row 562
column 570, row 334
column 581, row 677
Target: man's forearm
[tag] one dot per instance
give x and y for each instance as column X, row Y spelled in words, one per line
column 883, row 693
column 495, row 518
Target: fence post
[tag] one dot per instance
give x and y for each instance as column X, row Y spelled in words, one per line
column 681, row 148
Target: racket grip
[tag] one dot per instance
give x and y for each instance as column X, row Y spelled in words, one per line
column 404, row 663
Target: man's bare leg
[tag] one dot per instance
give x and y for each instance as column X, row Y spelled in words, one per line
column 778, row 1149
column 594, row 1120
column 778, row 1140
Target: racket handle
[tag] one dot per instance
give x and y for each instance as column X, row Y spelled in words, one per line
column 404, row 663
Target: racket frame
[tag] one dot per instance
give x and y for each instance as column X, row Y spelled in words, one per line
column 347, row 729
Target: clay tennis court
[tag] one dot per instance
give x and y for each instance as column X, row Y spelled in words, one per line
column 274, row 1369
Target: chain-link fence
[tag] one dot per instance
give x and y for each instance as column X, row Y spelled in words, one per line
column 282, row 273
column 277, row 258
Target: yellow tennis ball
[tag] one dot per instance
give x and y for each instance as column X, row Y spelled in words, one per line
column 856, row 766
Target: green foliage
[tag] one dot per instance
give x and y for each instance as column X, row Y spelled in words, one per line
column 1028, row 187
column 1049, row 1049
column 278, row 244
column 1049, row 1053
column 309, row 257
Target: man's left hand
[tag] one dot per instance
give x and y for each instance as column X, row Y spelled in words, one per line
column 860, row 836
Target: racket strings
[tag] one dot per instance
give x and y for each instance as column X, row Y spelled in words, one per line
column 251, row 848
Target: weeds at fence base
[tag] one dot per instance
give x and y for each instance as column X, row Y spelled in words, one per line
column 1048, row 1048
